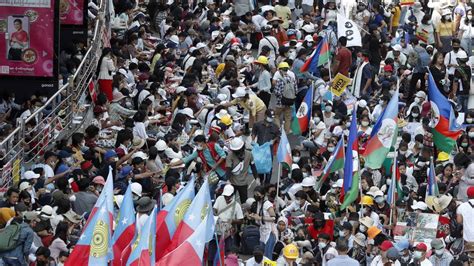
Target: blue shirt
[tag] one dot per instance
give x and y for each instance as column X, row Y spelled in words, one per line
column 209, row 159
column 342, row 260
column 423, row 60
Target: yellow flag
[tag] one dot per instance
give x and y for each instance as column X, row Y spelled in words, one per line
column 339, row 84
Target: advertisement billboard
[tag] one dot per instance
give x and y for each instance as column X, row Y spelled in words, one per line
column 71, row 12
column 28, row 29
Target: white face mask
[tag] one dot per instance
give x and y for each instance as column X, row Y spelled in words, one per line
column 337, row 121
column 362, row 228
column 348, row 124
column 296, row 159
column 364, row 123
column 317, row 120
column 469, row 120
column 439, row 252
column 469, row 17
column 328, row 108
column 330, row 149
column 269, row 119
column 417, row 255
column 322, row 245
column 415, row 114
column 471, row 134
column 417, row 100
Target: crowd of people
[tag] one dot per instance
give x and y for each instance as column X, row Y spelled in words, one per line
column 192, row 89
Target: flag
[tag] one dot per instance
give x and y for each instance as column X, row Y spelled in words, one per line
column 431, row 183
column 335, row 163
column 284, row 151
column 348, row 29
column 350, row 189
column 93, row 246
column 107, row 196
column 220, row 253
column 383, row 136
column 295, row 126
column 197, row 211
column 395, row 190
column 125, row 230
column 142, row 249
column 191, row 251
column 445, row 129
column 170, row 217
column 319, row 57
column 300, row 123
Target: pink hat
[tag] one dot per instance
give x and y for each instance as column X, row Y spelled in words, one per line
column 99, row 180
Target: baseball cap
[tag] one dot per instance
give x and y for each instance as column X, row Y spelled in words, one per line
column 421, row 246
column 228, row 190
column 386, row 245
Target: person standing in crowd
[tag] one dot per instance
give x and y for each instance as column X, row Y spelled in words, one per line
column 285, row 92
column 105, row 72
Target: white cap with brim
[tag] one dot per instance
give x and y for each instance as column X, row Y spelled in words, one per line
column 228, row 190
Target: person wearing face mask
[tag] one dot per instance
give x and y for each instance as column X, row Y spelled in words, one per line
column 328, row 115
column 466, row 32
column 441, row 256
column 342, row 258
column 106, row 67
column 258, row 258
column 321, row 226
column 382, row 259
column 297, row 206
column 317, row 132
column 380, row 107
column 419, row 255
column 461, row 81
column 450, row 59
column 444, row 32
column 324, row 248
column 285, row 92
column 363, row 77
column 362, row 16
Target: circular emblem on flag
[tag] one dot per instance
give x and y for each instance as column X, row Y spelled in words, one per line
column 204, row 211
column 302, row 111
column 387, row 132
column 100, row 240
column 181, row 210
column 434, row 113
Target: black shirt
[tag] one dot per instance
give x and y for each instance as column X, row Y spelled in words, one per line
column 438, row 76
column 462, row 75
column 265, row 131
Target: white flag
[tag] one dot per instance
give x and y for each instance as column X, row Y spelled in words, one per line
column 348, row 28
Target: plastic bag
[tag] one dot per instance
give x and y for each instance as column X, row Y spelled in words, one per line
column 262, row 156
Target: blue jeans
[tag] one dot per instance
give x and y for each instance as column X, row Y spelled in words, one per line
column 269, row 246
column 10, row 262
column 463, row 101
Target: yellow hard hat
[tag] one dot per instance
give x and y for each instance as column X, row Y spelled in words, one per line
column 443, row 156
column 367, row 200
column 262, row 60
column 226, row 120
column 373, row 231
column 290, row 251
column 283, row 65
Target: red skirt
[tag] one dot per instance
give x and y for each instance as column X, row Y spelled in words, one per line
column 105, row 86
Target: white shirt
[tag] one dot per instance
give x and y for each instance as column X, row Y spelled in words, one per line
column 251, row 262
column 467, row 213
column 229, row 213
column 48, row 171
column 139, row 130
column 451, row 59
column 106, row 68
column 467, row 30
column 272, row 43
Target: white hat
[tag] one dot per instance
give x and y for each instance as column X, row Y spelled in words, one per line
column 123, row 72
column 28, row 175
column 118, row 199
column 167, row 198
column 372, row 191
column 136, row 189
column 419, row 205
column 161, row 145
column 200, row 45
column 239, row 92
column 308, row 28
column 162, row 93
column 461, row 54
column 174, row 38
column 175, row 160
column 214, row 34
column 366, row 221
column 308, row 182
column 192, row 49
column 222, row 113
column 397, row 47
column 338, row 183
column 308, row 38
column 188, row 111
column 236, row 144
column 445, row 12
column 46, row 212
column 420, row 94
column 362, row 104
column 228, row 190
column 180, row 89
column 141, row 155
column 294, row 166
column 221, row 97
column 24, row 185
column 378, row 193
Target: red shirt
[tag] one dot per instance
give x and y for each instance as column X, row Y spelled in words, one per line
column 328, row 229
column 344, row 56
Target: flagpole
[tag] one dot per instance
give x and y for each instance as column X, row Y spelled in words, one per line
column 394, row 175
column 311, row 87
column 329, row 51
column 218, row 250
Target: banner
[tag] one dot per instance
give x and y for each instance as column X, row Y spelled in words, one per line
column 417, row 227
column 339, row 84
column 27, row 38
column 348, row 29
column 409, row 2
column 71, row 12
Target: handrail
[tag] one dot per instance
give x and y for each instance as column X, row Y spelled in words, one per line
column 25, row 146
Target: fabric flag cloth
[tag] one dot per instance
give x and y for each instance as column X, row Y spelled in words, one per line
column 284, row 151
column 93, row 246
column 351, row 165
column 348, row 29
column 169, row 218
column 445, row 129
column 395, row 190
column 319, row 57
column 220, row 255
column 199, row 208
column 125, row 229
column 335, row 163
column 191, row 251
column 142, row 249
column 107, row 196
column 295, row 126
column 300, row 123
column 384, row 135
column 431, row 183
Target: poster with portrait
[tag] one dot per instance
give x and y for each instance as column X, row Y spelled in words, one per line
column 71, row 12
column 27, row 38
column 417, row 227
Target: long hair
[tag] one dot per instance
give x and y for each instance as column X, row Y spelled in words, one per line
column 105, row 52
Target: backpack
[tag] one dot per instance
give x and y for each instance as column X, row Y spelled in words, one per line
column 9, row 237
column 250, row 239
column 288, row 94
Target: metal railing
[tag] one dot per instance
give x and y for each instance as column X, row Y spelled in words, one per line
column 60, row 116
